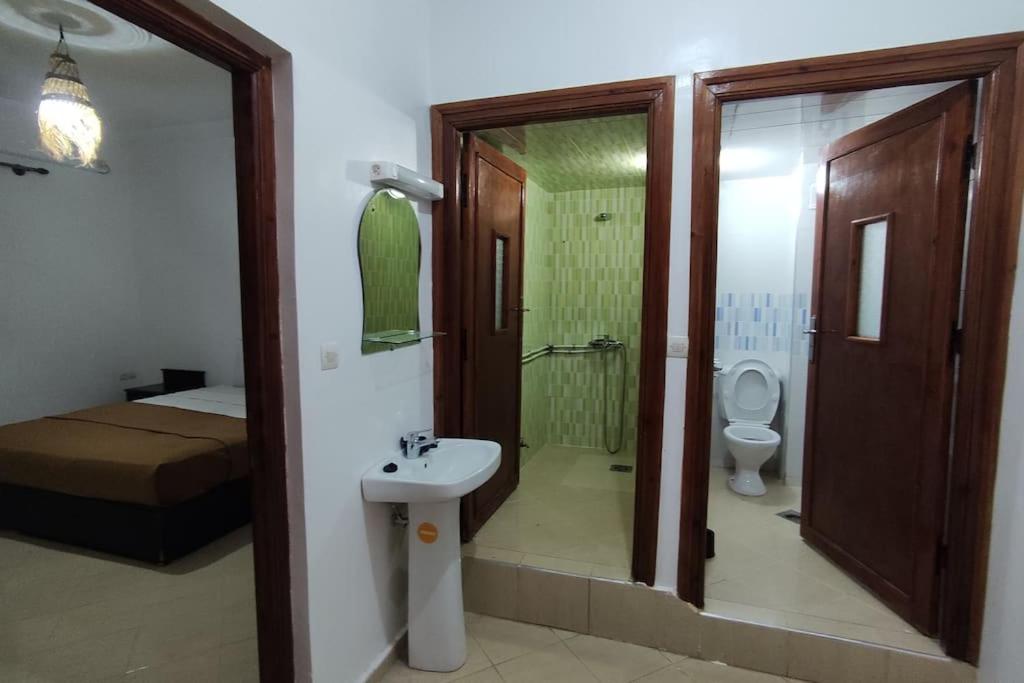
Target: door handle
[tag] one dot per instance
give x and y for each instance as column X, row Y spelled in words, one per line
column 521, row 310
column 811, row 332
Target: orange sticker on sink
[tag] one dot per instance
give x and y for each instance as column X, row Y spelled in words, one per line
column 427, row 532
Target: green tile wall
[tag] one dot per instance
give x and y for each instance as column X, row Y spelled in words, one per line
column 582, row 278
column 389, row 262
column 538, row 280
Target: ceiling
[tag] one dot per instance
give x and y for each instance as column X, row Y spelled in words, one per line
column 578, row 155
column 136, row 80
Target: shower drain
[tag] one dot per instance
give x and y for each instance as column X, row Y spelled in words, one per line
column 791, row 515
column 621, row 468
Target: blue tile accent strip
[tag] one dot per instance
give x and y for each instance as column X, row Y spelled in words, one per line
column 761, row 321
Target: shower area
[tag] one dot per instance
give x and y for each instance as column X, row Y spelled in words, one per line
column 583, row 256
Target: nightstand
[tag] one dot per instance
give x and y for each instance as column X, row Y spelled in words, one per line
column 174, row 381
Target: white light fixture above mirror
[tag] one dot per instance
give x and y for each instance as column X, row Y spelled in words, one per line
column 390, row 174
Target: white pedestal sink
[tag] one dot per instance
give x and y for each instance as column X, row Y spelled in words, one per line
column 432, row 485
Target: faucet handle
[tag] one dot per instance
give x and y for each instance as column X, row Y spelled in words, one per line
column 417, row 435
column 417, row 438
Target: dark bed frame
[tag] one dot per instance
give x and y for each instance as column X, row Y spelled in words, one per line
column 149, row 533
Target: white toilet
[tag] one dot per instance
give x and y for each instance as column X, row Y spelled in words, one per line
column 749, row 392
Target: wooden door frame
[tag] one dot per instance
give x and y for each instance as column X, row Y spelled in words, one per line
column 992, row 250
column 255, row 173
column 654, row 97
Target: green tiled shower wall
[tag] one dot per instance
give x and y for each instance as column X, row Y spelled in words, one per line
column 583, row 278
column 389, row 262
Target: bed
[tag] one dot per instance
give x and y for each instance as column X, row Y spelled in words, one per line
column 152, row 479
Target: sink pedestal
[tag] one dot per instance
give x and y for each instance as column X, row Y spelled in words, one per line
column 437, row 629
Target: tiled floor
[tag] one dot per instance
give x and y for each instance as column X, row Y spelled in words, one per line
column 763, row 572
column 71, row 615
column 571, row 513
column 514, row 652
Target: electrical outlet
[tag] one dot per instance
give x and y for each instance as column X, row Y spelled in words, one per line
column 329, row 356
column 678, row 347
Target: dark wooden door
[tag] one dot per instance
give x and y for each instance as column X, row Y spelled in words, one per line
column 887, row 276
column 493, row 216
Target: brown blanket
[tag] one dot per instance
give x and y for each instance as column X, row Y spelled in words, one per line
column 126, row 452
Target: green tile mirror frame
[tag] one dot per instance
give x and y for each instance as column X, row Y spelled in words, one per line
column 389, row 261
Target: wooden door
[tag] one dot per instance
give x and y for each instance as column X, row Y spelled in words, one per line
column 887, row 276
column 493, row 216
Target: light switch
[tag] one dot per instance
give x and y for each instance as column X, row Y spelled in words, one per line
column 678, row 347
column 329, row 356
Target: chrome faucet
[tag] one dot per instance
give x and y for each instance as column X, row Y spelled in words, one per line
column 415, row 444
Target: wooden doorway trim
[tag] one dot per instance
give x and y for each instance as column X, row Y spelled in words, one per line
column 654, row 97
column 252, row 95
column 995, row 223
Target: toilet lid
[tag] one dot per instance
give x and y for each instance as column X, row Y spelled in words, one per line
column 750, row 392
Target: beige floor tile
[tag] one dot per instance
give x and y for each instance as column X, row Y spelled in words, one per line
column 476, row 661
column 831, row 660
column 553, row 599
column 741, row 612
column 867, row 634
column 774, row 586
column 558, row 564
column 604, row 571
column 22, row 637
column 496, row 554
column 89, row 659
column 765, row 573
column 203, row 668
column 502, row 640
column 905, row 667
column 669, row 674
column 92, row 616
column 239, row 662
column 485, row 676
column 614, row 662
column 570, row 510
column 490, row 587
column 554, row 663
column 714, row 672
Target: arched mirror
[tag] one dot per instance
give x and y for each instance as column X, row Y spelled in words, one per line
column 389, row 259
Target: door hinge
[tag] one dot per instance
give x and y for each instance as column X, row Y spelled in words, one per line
column 464, row 191
column 956, row 343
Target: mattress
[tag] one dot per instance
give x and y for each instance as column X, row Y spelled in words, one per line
column 220, row 400
column 159, row 451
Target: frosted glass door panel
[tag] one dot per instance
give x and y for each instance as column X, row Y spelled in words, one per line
column 499, row 283
column 871, row 290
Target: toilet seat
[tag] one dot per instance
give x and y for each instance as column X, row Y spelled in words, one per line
column 750, row 393
column 758, row 435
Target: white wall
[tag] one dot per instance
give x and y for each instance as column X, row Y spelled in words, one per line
column 580, row 41
column 69, row 307
column 359, row 92
column 122, row 273
column 186, row 250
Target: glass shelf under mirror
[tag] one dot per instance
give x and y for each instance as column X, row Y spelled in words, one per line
column 394, row 338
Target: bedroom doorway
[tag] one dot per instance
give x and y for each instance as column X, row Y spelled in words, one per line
column 130, row 475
